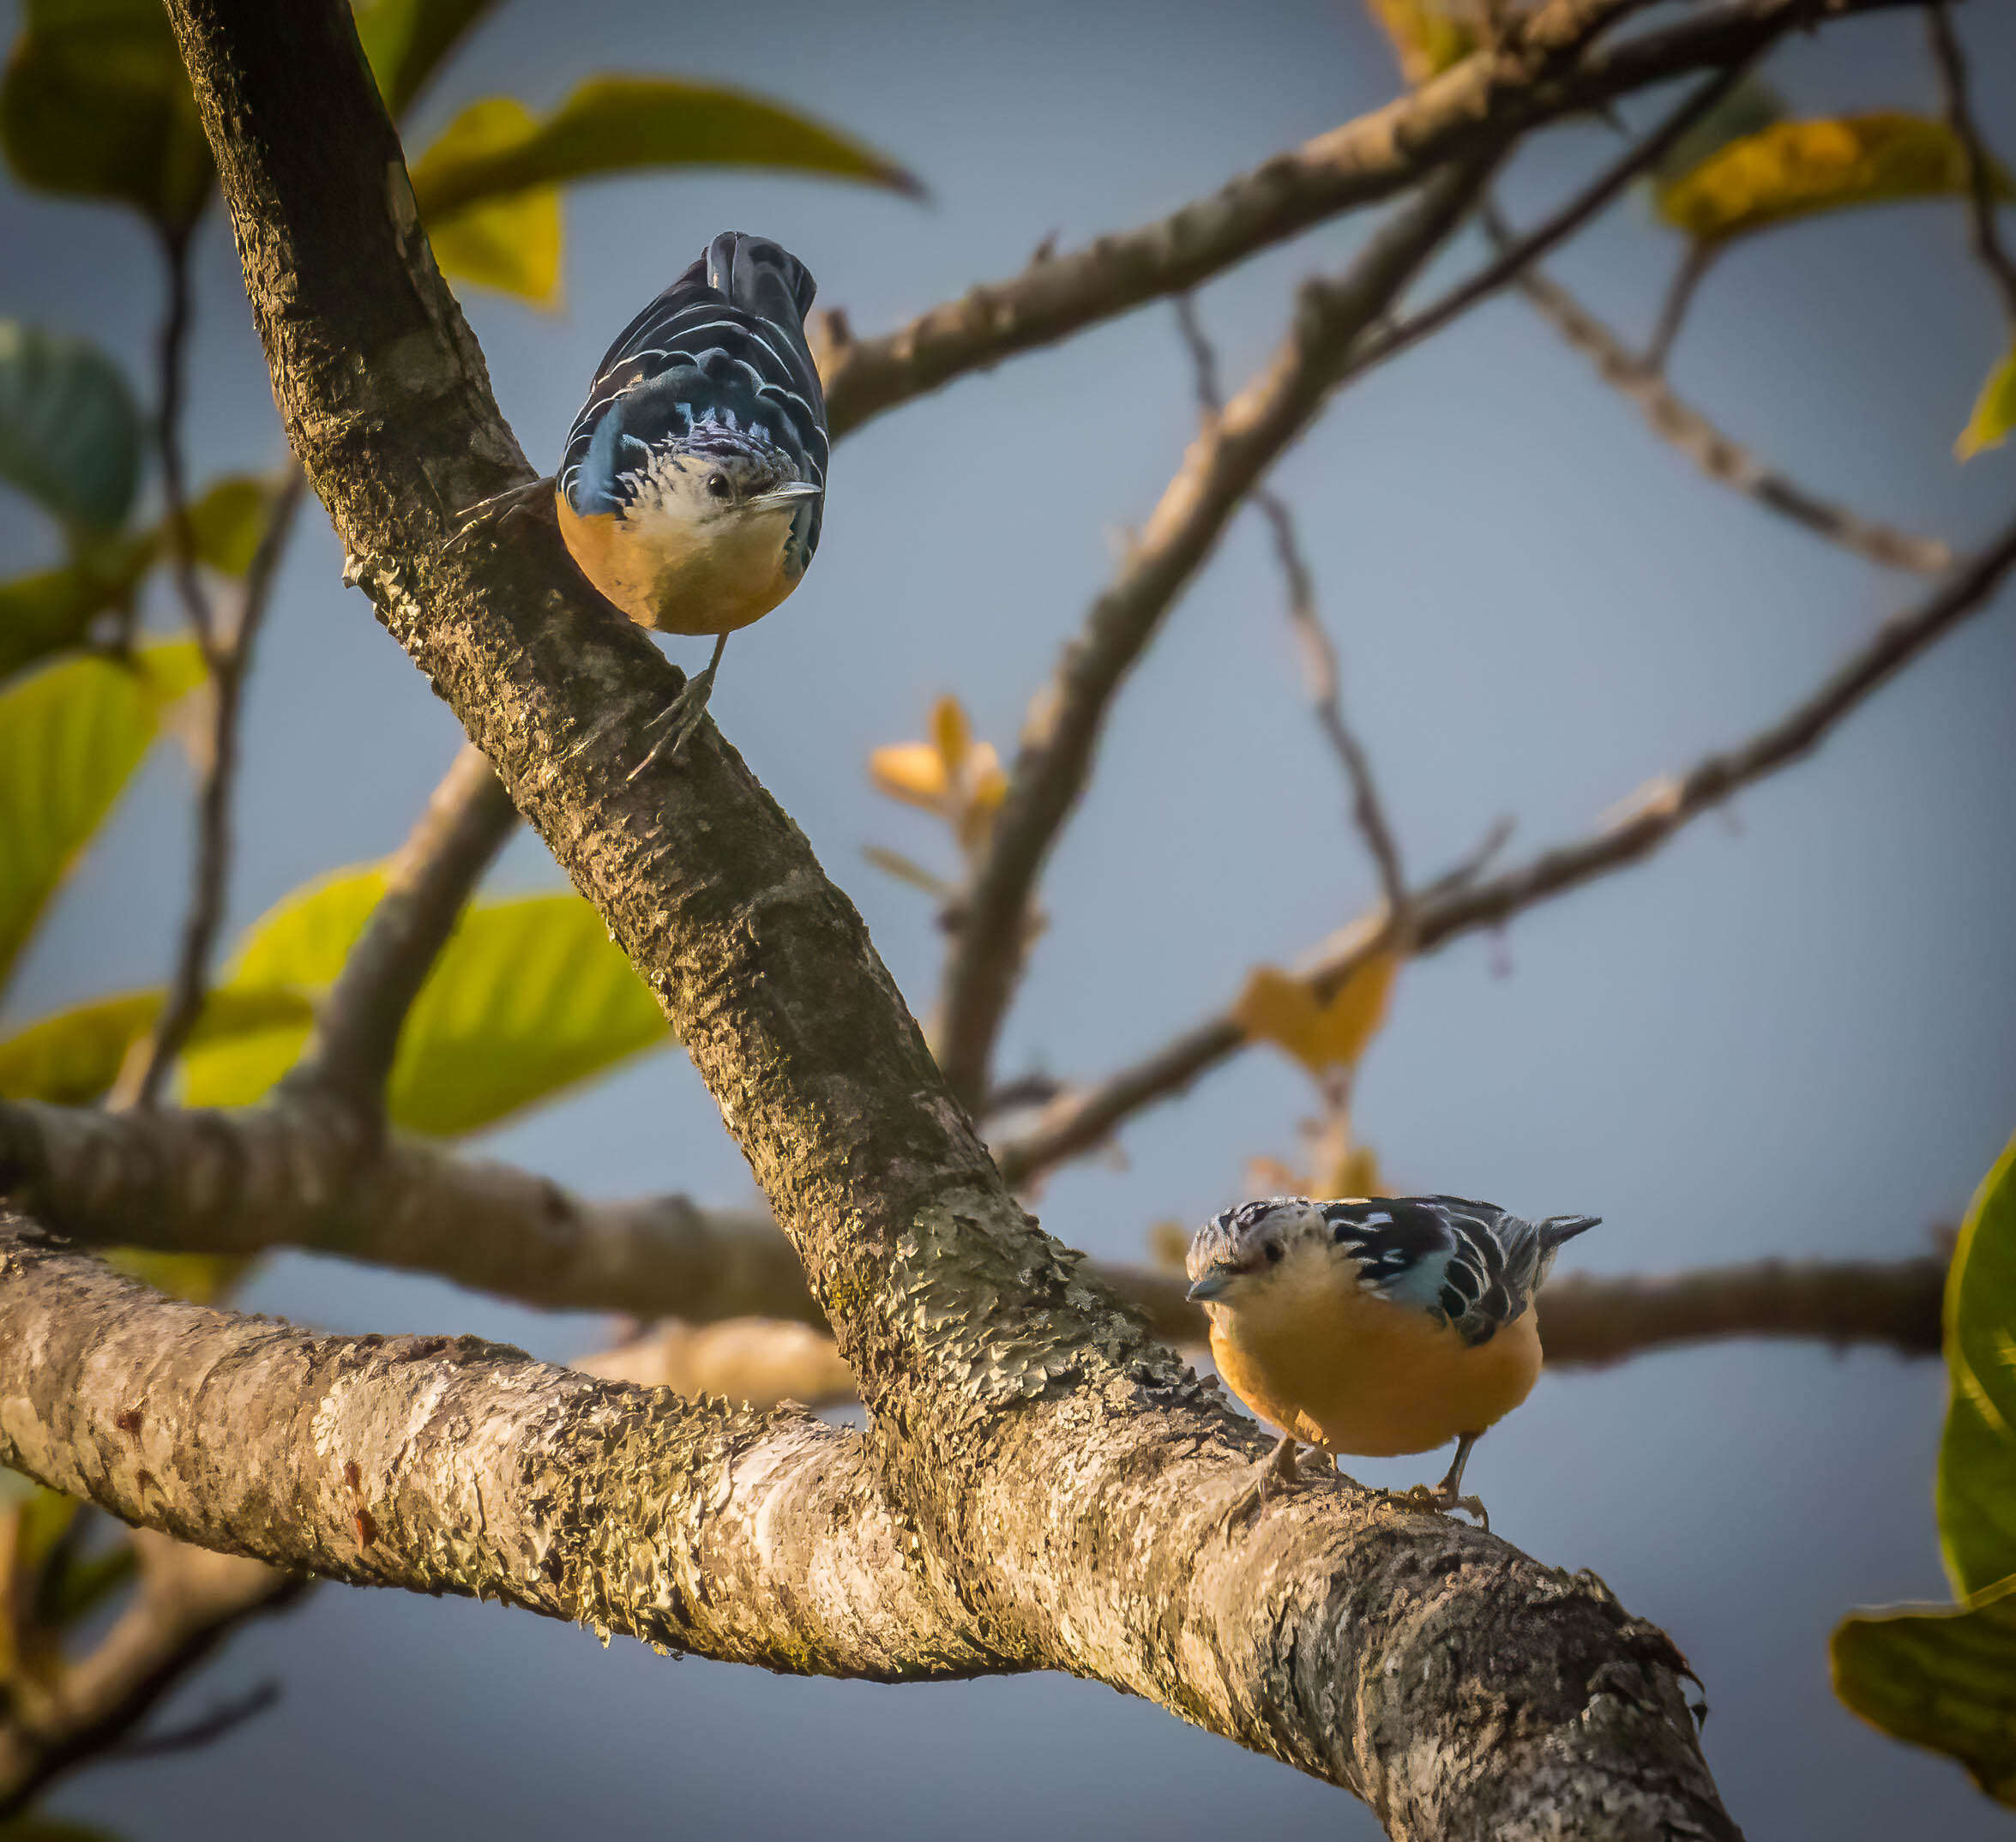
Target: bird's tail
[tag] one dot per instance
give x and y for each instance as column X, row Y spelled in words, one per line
column 1559, row 1228
column 761, row 277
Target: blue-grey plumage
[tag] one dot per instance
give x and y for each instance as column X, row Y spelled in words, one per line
column 1379, row 1325
column 694, row 483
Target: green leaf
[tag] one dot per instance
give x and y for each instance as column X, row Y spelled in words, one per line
column 1795, row 169
column 1748, row 108
column 513, row 242
column 613, row 124
column 71, row 435
column 72, row 1058
column 1428, row 35
column 53, row 610
column 203, row 1278
column 71, row 735
column 406, row 40
column 1994, row 410
column 226, row 523
column 95, row 103
column 529, row 996
column 1941, row 1676
column 1977, row 1491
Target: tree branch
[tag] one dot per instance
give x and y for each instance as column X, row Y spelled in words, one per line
column 1023, row 1428
column 349, row 1054
column 1550, row 73
column 454, row 1466
column 1952, row 64
column 1724, row 461
column 229, row 658
column 188, row 1603
column 1321, row 672
column 1222, row 466
column 1085, row 1118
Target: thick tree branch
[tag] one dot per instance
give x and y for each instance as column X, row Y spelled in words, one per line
column 447, row 1465
column 1024, row 1427
column 1085, row 1118
column 1724, row 461
column 1222, row 466
column 1550, row 73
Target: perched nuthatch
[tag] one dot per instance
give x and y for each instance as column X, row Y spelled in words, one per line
column 694, row 476
column 1376, row 1325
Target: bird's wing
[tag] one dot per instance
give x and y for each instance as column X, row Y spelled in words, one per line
column 724, row 345
column 1465, row 1264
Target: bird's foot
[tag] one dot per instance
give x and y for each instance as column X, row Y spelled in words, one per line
column 683, row 713
column 1440, row 1500
column 1278, row 1473
column 512, row 502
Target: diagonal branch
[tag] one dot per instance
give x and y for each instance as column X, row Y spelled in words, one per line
column 1724, row 461
column 1552, row 72
column 1083, row 1118
column 1222, row 466
column 349, row 1054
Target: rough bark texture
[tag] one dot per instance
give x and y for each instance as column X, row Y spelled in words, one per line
column 450, row 1464
column 1035, row 1449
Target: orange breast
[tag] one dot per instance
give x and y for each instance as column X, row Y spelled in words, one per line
column 1335, row 1366
column 672, row 580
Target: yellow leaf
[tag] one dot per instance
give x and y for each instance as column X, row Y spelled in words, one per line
column 1794, row 168
column 1277, row 1008
column 1426, row 35
column 510, row 241
column 1994, row 410
column 910, row 771
column 951, row 733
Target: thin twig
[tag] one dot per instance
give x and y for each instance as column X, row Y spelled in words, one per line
column 230, row 660
column 1552, row 231
column 171, row 355
column 1223, row 465
column 1322, row 673
column 206, row 1730
column 1693, row 270
column 1724, row 461
column 1084, row 1119
column 350, row 1052
column 1981, row 174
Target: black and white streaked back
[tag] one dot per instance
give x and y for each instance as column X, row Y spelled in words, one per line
column 720, row 358
column 1471, row 1264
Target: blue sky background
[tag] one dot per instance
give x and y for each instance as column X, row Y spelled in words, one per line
column 1790, row 1033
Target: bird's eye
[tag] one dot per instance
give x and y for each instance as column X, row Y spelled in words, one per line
column 716, row 485
column 1273, row 1253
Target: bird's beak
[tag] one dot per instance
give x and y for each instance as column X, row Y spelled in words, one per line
column 779, row 496
column 1216, row 1282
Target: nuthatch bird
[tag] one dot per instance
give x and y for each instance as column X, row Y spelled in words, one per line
column 1376, row 1325
column 695, row 477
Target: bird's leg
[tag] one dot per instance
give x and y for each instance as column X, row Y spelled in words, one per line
column 684, row 712
column 1445, row 1496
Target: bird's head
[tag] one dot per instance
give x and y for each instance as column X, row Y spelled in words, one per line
column 716, row 479
column 1237, row 1257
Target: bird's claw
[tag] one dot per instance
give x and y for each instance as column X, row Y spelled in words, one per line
column 1439, row 1500
column 683, row 713
column 1280, row 1471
